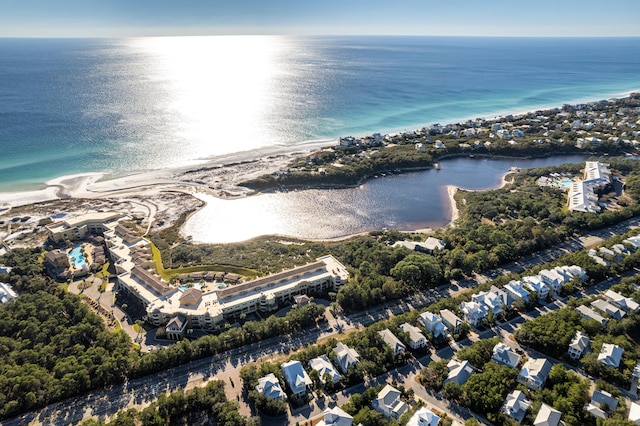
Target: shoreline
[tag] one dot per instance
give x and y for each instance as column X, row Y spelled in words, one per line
column 92, row 185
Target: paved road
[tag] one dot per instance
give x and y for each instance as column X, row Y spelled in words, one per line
column 105, row 402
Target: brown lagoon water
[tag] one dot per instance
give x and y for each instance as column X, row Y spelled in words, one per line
column 405, row 202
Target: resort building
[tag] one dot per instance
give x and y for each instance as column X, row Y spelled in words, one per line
column 297, row 379
column 516, row 405
column 582, row 198
column 416, row 338
column 534, row 373
column 610, row 355
column 270, row 387
column 335, row 417
column 389, row 403
column 345, row 356
column 81, row 226
column 205, row 310
column 578, row 345
column 596, row 174
column 6, row 293
column 392, row 341
column 325, row 369
column 176, row 328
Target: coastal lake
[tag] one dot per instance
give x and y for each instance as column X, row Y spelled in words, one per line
column 407, row 201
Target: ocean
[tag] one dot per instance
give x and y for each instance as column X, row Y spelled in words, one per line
column 119, row 106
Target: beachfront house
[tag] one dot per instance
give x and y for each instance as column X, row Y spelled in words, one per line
column 392, row 341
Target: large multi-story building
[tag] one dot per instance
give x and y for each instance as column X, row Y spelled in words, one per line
column 81, row 226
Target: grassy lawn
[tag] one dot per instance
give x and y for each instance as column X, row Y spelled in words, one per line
column 166, row 274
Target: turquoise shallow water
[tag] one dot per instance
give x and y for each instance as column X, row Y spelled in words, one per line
column 119, row 106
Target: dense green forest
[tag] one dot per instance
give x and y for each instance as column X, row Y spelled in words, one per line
column 199, row 406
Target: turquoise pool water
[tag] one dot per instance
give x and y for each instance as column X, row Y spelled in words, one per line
column 182, row 287
column 77, row 259
column 220, row 286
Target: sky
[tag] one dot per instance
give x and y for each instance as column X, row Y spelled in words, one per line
column 123, row 18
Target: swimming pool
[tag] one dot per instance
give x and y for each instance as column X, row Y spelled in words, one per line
column 77, row 259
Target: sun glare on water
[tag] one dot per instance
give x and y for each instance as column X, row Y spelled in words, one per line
column 218, row 89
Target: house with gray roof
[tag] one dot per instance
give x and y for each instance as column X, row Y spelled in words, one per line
column 547, row 416
column 392, row 341
column 579, row 345
column 534, row 373
column 515, row 405
column 388, row 402
column 503, row 354
column 610, row 355
column 451, row 320
column 270, row 387
column 345, row 356
column 459, row 371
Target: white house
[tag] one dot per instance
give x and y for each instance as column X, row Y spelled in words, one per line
column 534, row 373
column 392, row 341
column 515, row 405
column 451, row 320
column 297, row 379
column 588, row 313
column 634, row 413
column 424, row 417
column 345, row 356
column 459, row 371
column 515, row 289
column 335, row 417
column 547, row 416
column 389, row 403
column 417, row 340
column 439, row 144
column 599, row 401
column 535, row 283
column 324, row 368
column 6, row 293
column 474, row 312
column 433, row 324
column 610, row 355
column 578, row 345
column 269, row 386
column 494, row 300
column 503, row 354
